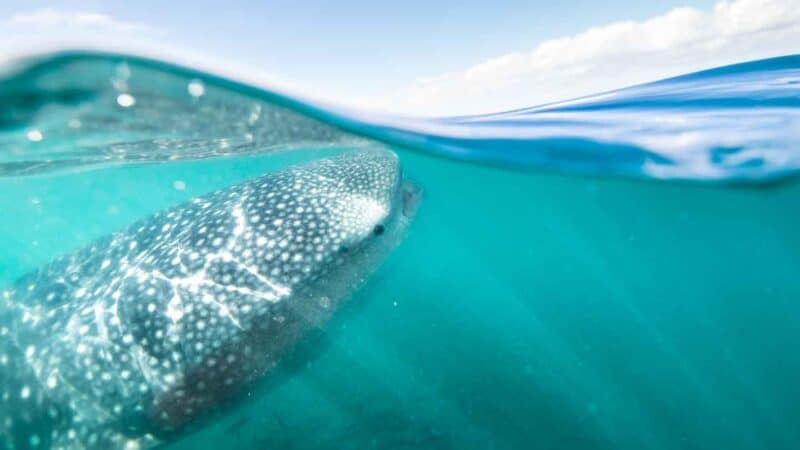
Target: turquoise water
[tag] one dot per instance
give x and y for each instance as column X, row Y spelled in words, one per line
column 524, row 309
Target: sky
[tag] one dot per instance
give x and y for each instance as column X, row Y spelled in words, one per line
column 440, row 57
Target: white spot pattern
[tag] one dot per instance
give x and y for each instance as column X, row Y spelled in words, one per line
column 160, row 321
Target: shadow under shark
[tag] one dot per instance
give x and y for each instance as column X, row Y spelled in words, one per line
column 132, row 340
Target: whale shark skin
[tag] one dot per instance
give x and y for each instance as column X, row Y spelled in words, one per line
column 128, row 342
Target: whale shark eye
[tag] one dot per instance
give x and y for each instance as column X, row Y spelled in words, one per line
column 378, row 230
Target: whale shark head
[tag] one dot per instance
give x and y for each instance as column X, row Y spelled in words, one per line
column 274, row 262
column 136, row 336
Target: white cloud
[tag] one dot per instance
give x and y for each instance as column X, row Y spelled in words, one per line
column 608, row 57
column 50, row 29
column 50, row 17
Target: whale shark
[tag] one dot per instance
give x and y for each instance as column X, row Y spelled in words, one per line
column 131, row 341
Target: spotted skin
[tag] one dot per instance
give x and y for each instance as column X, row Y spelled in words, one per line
column 126, row 343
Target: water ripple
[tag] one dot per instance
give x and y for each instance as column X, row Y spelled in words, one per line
column 77, row 110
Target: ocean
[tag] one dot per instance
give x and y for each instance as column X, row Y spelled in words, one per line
column 616, row 272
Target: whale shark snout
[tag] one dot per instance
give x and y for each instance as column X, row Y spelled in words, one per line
column 133, row 338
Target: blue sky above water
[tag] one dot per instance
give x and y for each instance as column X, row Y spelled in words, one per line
column 416, row 56
column 355, row 41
